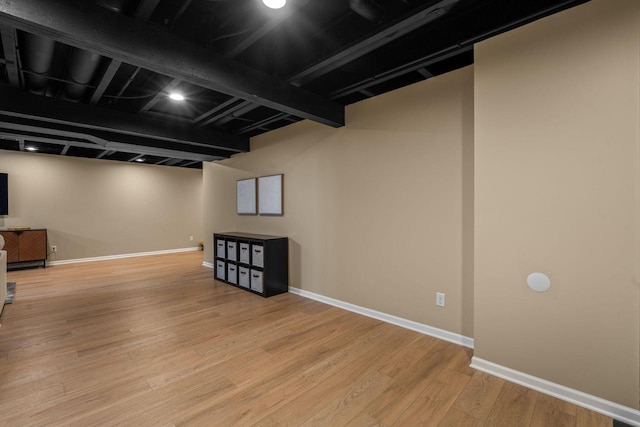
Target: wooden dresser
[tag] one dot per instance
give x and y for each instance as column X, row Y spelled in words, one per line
column 25, row 245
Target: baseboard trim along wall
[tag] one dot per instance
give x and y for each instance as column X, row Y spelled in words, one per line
column 388, row 318
column 120, row 256
column 588, row 401
column 611, row 409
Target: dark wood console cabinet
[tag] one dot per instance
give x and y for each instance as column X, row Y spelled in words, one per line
column 25, row 245
column 254, row 262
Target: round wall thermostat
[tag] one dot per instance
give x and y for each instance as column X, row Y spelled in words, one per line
column 538, row 282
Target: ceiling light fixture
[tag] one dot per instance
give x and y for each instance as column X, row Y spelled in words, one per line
column 31, row 148
column 140, row 160
column 274, row 4
column 176, row 96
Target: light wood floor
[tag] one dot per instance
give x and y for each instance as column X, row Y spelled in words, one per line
column 155, row 341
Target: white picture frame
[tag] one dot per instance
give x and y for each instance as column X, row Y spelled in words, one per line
column 246, row 192
column 270, row 195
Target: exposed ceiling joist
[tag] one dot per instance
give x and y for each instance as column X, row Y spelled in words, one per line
column 200, row 120
column 10, row 54
column 461, row 48
column 392, row 32
column 143, row 13
column 224, row 116
column 25, row 128
column 425, row 73
column 105, row 81
column 172, row 162
column 120, row 125
column 181, row 11
column 263, row 123
column 270, row 25
column 145, row 9
column 101, row 139
column 97, row 30
column 114, row 147
column 160, row 95
column 404, row 69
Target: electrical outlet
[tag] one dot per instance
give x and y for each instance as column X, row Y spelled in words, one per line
column 54, row 248
column 191, row 238
column 440, row 299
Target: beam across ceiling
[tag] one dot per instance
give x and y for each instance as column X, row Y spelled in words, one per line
column 10, row 54
column 461, row 48
column 143, row 13
column 94, row 120
column 105, row 81
column 90, row 27
column 29, row 128
column 170, row 87
column 380, row 38
column 110, row 147
column 145, row 9
column 267, row 27
column 428, row 13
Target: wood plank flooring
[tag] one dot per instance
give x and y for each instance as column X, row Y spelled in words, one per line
column 155, row 341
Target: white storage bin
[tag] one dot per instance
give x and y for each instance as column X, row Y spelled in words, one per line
column 245, row 253
column 232, row 273
column 220, row 249
column 257, row 255
column 244, row 275
column 220, row 269
column 231, row 251
column 256, row 281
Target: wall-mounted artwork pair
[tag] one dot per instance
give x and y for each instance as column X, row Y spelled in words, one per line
column 260, row 196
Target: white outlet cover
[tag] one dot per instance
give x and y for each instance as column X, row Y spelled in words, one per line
column 538, row 282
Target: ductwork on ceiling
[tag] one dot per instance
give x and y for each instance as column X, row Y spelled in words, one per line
column 37, row 56
column 367, row 9
column 82, row 67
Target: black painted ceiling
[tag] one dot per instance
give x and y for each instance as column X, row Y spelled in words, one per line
column 90, row 78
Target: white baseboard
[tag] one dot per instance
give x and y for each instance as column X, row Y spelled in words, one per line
column 112, row 257
column 611, row 409
column 593, row 403
column 207, row 264
column 388, row 318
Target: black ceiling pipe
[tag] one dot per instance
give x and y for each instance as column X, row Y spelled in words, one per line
column 366, row 9
column 37, row 55
column 82, row 67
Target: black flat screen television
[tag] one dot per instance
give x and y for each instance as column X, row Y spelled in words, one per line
column 4, row 194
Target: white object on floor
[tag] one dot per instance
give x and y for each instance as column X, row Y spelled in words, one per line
column 3, row 278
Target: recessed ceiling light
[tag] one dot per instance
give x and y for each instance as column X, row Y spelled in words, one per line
column 140, row 160
column 176, row 96
column 274, row 4
column 31, row 148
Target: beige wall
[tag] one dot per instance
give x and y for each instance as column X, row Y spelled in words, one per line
column 379, row 213
column 97, row 208
column 557, row 191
